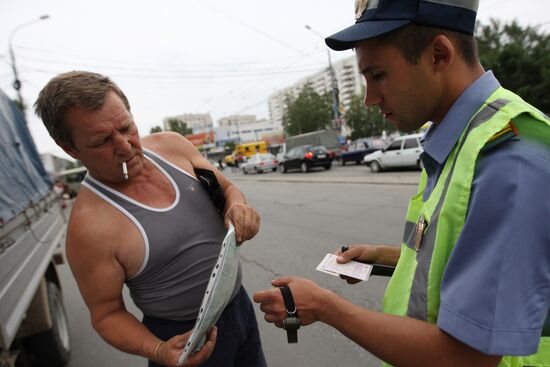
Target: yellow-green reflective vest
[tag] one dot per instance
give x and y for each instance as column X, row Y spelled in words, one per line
column 434, row 225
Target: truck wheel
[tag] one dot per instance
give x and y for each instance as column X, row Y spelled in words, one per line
column 304, row 167
column 51, row 347
column 282, row 168
column 375, row 167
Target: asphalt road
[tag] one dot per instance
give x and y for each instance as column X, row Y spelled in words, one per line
column 304, row 217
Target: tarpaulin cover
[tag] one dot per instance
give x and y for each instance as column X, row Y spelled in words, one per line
column 23, row 179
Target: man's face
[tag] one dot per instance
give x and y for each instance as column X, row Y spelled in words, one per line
column 104, row 139
column 406, row 94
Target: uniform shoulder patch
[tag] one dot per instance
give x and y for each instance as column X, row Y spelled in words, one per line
column 507, row 133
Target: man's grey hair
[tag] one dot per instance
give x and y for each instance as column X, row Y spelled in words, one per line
column 80, row 89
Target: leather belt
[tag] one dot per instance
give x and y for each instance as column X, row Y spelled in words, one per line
column 292, row 322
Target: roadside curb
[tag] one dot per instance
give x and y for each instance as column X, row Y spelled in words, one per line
column 340, row 180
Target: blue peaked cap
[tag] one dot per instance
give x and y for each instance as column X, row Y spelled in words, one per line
column 377, row 17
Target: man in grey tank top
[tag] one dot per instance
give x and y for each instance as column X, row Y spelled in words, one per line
column 142, row 218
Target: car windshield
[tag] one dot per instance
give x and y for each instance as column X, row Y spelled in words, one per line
column 316, row 148
column 377, row 143
column 266, row 157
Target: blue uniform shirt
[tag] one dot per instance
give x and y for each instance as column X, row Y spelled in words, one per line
column 495, row 291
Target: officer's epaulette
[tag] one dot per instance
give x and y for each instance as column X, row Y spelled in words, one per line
column 509, row 132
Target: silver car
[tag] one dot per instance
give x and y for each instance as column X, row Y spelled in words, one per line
column 403, row 151
column 260, row 163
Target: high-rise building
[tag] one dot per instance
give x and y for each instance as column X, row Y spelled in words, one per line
column 348, row 81
column 198, row 122
column 244, row 128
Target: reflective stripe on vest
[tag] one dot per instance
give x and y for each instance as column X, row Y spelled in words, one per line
column 418, row 307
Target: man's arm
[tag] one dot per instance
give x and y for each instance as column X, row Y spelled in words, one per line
column 100, row 278
column 400, row 341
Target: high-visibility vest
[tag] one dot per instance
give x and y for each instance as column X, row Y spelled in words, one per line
column 434, row 225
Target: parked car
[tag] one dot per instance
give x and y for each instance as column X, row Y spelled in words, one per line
column 403, row 151
column 359, row 148
column 305, row 157
column 260, row 163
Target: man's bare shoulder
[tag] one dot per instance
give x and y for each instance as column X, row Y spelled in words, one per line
column 173, row 147
column 93, row 221
column 166, row 142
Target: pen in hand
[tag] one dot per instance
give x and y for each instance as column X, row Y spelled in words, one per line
column 378, row 269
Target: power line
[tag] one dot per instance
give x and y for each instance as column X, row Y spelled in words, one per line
column 265, row 34
column 88, row 58
column 226, row 71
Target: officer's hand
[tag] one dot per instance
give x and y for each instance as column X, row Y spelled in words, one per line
column 169, row 352
column 245, row 219
column 363, row 253
column 307, row 296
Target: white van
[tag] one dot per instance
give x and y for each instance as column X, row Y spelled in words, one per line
column 403, row 151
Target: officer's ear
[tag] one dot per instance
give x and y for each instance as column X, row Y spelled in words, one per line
column 442, row 52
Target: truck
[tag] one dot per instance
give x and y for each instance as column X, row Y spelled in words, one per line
column 245, row 150
column 33, row 218
column 327, row 138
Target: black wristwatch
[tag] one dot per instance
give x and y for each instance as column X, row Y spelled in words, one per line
column 292, row 322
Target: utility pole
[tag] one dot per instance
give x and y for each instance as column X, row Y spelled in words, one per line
column 17, row 82
column 333, row 84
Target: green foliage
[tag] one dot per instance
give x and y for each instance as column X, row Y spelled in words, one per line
column 179, row 126
column 519, row 58
column 365, row 122
column 155, row 129
column 308, row 112
column 229, row 146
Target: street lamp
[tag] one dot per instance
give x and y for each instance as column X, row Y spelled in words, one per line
column 334, row 85
column 16, row 81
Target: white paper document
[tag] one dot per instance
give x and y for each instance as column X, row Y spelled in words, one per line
column 353, row 269
column 217, row 295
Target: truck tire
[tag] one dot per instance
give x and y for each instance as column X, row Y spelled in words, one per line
column 51, row 347
column 304, row 167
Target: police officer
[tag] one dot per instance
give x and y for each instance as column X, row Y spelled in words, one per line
column 471, row 286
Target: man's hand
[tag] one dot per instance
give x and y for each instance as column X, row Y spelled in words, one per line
column 245, row 219
column 307, row 297
column 169, row 352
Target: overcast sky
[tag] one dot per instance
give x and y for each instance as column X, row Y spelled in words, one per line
column 187, row 56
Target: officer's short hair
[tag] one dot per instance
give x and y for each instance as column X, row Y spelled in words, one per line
column 412, row 39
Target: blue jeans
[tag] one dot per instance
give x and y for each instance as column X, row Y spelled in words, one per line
column 238, row 343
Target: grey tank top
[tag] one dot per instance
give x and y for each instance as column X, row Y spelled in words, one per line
column 182, row 244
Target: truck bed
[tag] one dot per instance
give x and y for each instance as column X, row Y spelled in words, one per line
column 27, row 245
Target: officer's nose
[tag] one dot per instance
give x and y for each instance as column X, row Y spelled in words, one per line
column 372, row 97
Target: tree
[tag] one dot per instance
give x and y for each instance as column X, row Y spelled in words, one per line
column 365, row 122
column 519, row 58
column 179, row 126
column 309, row 111
column 229, row 146
column 155, row 129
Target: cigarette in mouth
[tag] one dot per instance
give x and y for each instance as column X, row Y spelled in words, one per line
column 125, row 170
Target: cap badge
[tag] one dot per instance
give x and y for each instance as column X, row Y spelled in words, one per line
column 360, row 6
